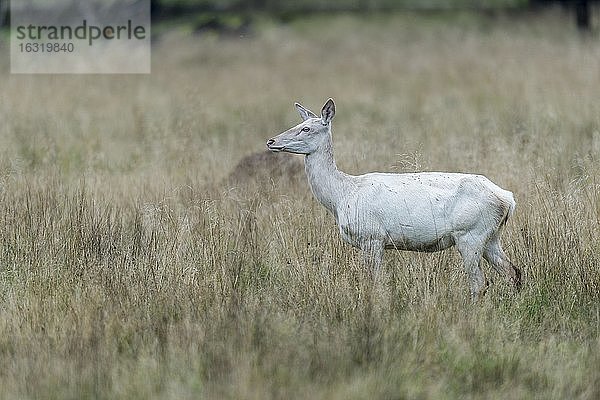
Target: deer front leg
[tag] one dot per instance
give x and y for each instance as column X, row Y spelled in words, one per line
column 372, row 255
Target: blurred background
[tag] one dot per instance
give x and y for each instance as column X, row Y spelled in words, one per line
column 230, row 16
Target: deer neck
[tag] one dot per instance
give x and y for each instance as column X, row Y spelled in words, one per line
column 325, row 180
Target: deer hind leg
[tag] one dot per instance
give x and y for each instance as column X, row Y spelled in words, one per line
column 494, row 255
column 471, row 251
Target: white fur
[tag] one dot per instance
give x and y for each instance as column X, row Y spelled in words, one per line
column 427, row 211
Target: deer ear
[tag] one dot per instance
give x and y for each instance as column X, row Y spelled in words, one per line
column 305, row 113
column 328, row 111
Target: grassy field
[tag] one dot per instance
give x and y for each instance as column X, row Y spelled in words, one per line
column 131, row 267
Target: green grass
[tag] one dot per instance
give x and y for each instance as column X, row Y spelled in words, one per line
column 131, row 268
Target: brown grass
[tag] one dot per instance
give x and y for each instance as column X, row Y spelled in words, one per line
column 128, row 270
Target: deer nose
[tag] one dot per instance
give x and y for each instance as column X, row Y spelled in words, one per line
column 270, row 142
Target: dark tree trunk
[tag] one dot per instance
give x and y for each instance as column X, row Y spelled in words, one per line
column 3, row 13
column 582, row 14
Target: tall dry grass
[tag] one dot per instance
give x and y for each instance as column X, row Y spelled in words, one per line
column 131, row 269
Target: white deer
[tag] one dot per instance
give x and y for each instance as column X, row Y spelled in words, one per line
column 427, row 212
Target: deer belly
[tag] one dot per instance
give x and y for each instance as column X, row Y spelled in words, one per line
column 417, row 234
column 355, row 235
column 428, row 245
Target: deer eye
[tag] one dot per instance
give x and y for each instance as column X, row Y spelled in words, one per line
column 305, row 129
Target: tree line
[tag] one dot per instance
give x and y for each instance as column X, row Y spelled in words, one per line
column 167, row 9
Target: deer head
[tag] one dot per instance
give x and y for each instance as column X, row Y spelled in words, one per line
column 307, row 136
